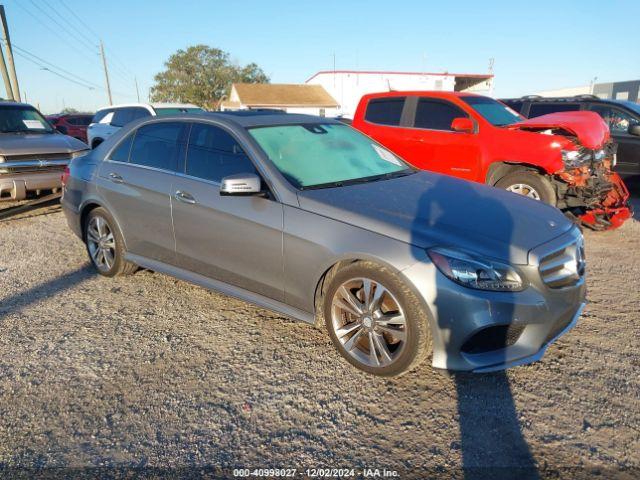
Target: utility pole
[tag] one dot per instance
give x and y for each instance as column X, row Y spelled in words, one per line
column 137, row 91
column 5, row 76
column 12, row 66
column 106, row 72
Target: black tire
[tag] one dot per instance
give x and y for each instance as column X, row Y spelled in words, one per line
column 417, row 346
column 119, row 266
column 537, row 182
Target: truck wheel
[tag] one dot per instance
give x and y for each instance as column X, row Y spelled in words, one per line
column 530, row 184
column 375, row 321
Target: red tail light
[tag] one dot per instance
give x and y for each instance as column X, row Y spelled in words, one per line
column 65, row 176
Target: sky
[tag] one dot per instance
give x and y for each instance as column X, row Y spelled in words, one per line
column 536, row 45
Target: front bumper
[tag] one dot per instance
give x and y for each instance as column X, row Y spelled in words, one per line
column 16, row 186
column 615, row 208
column 461, row 316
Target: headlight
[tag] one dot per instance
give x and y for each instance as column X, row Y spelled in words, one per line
column 80, row 153
column 575, row 158
column 480, row 274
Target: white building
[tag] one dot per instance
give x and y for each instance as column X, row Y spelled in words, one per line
column 348, row 86
column 291, row 98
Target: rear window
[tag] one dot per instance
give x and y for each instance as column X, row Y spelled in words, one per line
column 537, row 109
column 515, row 105
column 385, row 111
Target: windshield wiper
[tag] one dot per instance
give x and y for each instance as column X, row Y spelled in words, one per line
column 355, row 181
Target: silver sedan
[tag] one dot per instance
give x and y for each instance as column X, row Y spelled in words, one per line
column 308, row 217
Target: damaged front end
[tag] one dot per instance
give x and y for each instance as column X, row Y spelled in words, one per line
column 590, row 192
column 587, row 189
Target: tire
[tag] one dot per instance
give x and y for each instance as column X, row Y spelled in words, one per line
column 101, row 233
column 526, row 181
column 394, row 353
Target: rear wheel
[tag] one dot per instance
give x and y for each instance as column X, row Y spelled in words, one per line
column 105, row 244
column 530, row 184
column 375, row 321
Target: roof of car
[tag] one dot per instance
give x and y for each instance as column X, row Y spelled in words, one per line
column 254, row 118
column 434, row 93
column 152, row 105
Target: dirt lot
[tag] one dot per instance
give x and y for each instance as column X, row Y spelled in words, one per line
column 149, row 372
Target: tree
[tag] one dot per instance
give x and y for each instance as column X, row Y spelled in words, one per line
column 202, row 75
column 69, row 111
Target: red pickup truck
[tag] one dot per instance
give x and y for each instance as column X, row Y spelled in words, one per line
column 563, row 159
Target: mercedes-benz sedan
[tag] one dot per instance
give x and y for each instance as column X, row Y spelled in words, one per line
column 310, row 218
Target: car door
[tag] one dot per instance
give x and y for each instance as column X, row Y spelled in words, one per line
column 619, row 121
column 136, row 183
column 384, row 121
column 436, row 145
column 237, row 240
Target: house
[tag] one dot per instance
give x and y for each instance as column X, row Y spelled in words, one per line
column 291, row 98
column 348, row 86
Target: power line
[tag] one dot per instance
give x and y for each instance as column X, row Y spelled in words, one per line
column 77, row 30
column 55, row 73
column 119, row 65
column 77, row 38
column 52, row 30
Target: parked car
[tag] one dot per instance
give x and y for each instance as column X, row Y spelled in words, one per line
column 32, row 154
column 109, row 120
column 622, row 117
column 74, row 125
column 563, row 159
column 308, row 217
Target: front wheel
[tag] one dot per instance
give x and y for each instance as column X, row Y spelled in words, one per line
column 375, row 321
column 530, row 184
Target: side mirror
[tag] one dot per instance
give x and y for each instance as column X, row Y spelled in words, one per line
column 634, row 130
column 462, row 124
column 241, row 184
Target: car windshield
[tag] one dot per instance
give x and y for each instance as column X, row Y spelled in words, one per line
column 21, row 119
column 327, row 155
column 494, row 112
column 177, row 110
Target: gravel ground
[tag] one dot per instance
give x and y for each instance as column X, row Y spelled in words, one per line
column 164, row 378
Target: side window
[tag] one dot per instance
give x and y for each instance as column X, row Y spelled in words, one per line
column 121, row 152
column 618, row 120
column 385, row 111
column 138, row 112
column 121, row 117
column 537, row 109
column 436, row 115
column 213, row 154
column 99, row 116
column 158, row 145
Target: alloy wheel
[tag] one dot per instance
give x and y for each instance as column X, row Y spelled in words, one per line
column 524, row 189
column 101, row 243
column 368, row 322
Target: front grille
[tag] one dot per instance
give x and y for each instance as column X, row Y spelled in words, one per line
column 563, row 267
column 493, row 338
column 37, row 157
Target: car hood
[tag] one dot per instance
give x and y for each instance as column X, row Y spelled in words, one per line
column 589, row 127
column 426, row 209
column 38, row 143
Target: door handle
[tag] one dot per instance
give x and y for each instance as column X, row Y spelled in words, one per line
column 115, row 178
column 185, row 197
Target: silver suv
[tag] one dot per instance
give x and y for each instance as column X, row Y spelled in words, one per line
column 308, row 217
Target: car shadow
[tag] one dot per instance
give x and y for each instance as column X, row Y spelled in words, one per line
column 492, row 444
column 42, row 291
